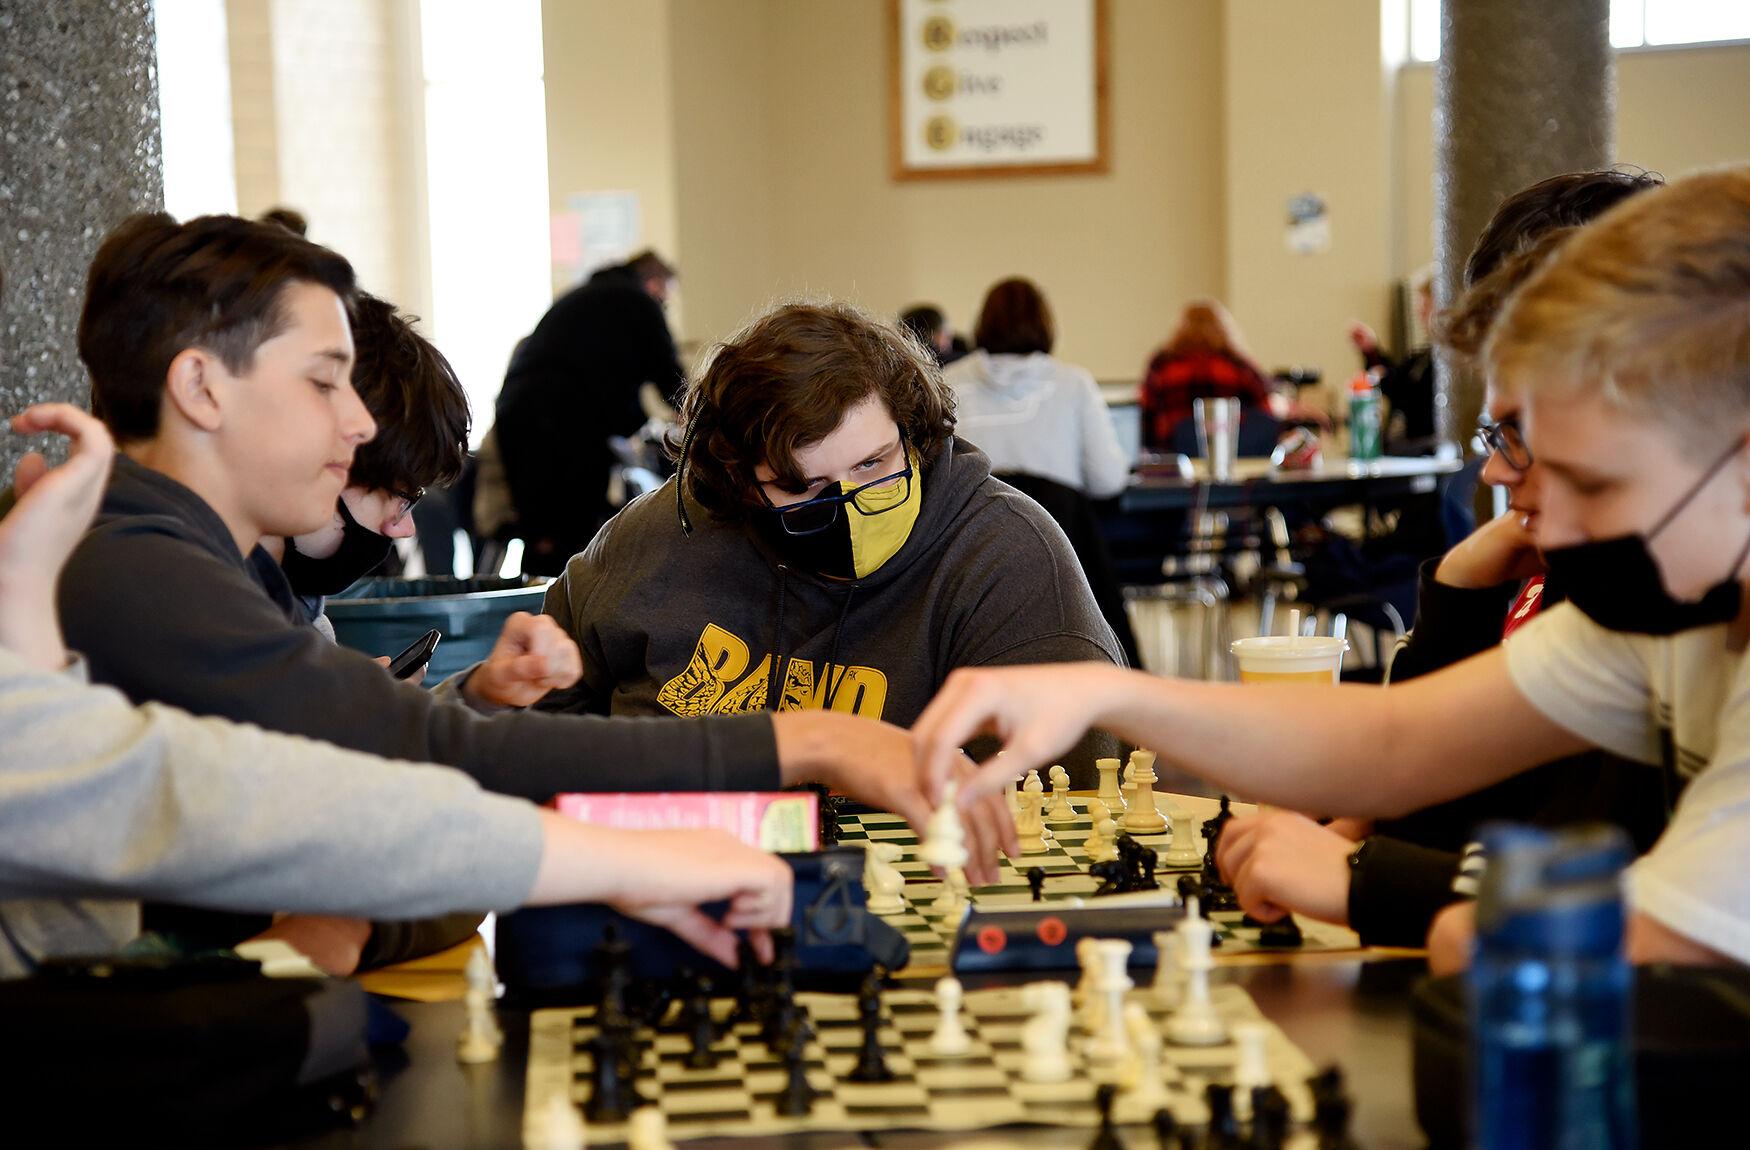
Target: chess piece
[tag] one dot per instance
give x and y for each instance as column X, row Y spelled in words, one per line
column 1144, row 1089
column 748, row 984
column 481, row 1037
column 701, row 1028
column 557, row 1125
column 648, row 1130
column 950, row 1039
column 1045, row 1036
column 1036, row 882
column 1271, row 1118
column 944, row 842
column 1166, row 1129
column 1060, row 810
column 613, row 1091
column 1283, row 932
column 1223, row 1128
column 1106, row 1137
column 796, row 1099
column 1030, row 824
column 1087, row 994
column 1109, row 794
column 1169, row 983
column 881, row 879
column 1142, row 817
column 1196, row 1023
column 1111, row 1044
column 951, row 902
column 871, row 1058
column 1213, row 825
column 1251, row 1065
column 1108, row 848
column 1097, row 814
column 1183, row 852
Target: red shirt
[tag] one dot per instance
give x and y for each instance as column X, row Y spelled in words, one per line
column 1529, row 603
column 1173, row 381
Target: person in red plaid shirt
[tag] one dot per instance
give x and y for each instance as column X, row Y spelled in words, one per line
column 1204, row 359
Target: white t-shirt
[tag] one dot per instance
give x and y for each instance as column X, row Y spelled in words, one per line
column 1680, row 703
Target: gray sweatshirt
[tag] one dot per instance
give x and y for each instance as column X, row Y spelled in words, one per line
column 103, row 803
column 1039, row 415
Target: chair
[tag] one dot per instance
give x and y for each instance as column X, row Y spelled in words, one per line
column 1074, row 513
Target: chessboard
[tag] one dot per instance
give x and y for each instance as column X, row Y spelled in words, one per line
column 931, row 929
column 981, row 1089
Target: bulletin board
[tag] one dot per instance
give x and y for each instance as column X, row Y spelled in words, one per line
column 990, row 88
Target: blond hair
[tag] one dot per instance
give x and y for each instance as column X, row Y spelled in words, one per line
column 1649, row 307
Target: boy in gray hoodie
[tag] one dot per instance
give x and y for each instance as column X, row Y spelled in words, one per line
column 825, row 520
column 102, row 803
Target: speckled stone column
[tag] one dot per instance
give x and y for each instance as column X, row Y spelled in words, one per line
column 1524, row 90
column 78, row 152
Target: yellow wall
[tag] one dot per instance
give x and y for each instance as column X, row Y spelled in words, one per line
column 1221, row 110
column 610, row 120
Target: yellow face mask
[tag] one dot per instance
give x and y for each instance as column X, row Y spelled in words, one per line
column 865, row 532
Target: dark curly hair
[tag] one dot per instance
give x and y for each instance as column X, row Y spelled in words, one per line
column 412, row 392
column 785, row 382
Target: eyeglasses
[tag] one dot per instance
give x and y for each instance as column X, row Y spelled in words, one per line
column 1504, row 436
column 404, row 503
column 818, row 514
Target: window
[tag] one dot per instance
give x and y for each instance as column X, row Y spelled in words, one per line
column 486, row 185
column 1633, row 24
column 194, row 107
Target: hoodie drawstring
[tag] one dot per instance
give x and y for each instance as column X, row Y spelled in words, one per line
column 781, row 661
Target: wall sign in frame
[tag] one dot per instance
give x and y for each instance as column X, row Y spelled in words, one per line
column 997, row 88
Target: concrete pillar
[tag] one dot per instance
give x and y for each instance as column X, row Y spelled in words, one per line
column 78, row 152
column 1523, row 91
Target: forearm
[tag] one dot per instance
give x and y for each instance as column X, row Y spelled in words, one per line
column 1346, row 750
column 28, row 625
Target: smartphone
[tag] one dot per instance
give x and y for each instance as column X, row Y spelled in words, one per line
column 409, row 662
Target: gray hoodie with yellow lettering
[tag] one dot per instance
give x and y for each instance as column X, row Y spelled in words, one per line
column 671, row 624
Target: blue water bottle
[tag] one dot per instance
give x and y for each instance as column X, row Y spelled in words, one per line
column 1551, row 1064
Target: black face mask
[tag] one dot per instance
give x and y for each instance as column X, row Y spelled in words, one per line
column 1616, row 582
column 361, row 551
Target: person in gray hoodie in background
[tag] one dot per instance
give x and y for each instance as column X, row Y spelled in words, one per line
column 1030, row 412
column 824, row 519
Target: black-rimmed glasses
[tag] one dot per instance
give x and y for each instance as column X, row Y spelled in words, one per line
column 821, row 512
column 1504, row 436
column 404, row 503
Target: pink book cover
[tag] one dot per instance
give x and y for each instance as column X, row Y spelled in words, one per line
column 771, row 820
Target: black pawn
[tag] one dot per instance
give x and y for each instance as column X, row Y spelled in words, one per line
column 701, row 1028
column 796, row 1099
column 1224, row 1127
column 1166, row 1129
column 1036, row 882
column 871, row 1059
column 748, row 983
column 1283, row 932
column 1106, row 1137
column 1270, row 1119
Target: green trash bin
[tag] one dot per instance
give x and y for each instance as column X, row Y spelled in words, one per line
column 382, row 616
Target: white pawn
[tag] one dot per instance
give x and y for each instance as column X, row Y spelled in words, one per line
column 480, row 1038
column 647, row 1129
column 955, row 893
column 1097, row 814
column 1030, row 824
column 882, row 880
column 556, row 1126
column 1045, row 1037
column 1109, row 794
column 1251, row 1065
column 1108, row 848
column 1169, row 983
column 483, row 989
column 1110, row 1043
column 1142, row 818
column 1196, row 1023
column 950, row 1039
column 1145, row 1091
column 1088, row 988
column 1183, row 852
column 1060, row 810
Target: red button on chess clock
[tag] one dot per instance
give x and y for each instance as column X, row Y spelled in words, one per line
column 992, row 939
column 1052, row 932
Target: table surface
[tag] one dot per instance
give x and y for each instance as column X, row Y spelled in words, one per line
column 1335, row 482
